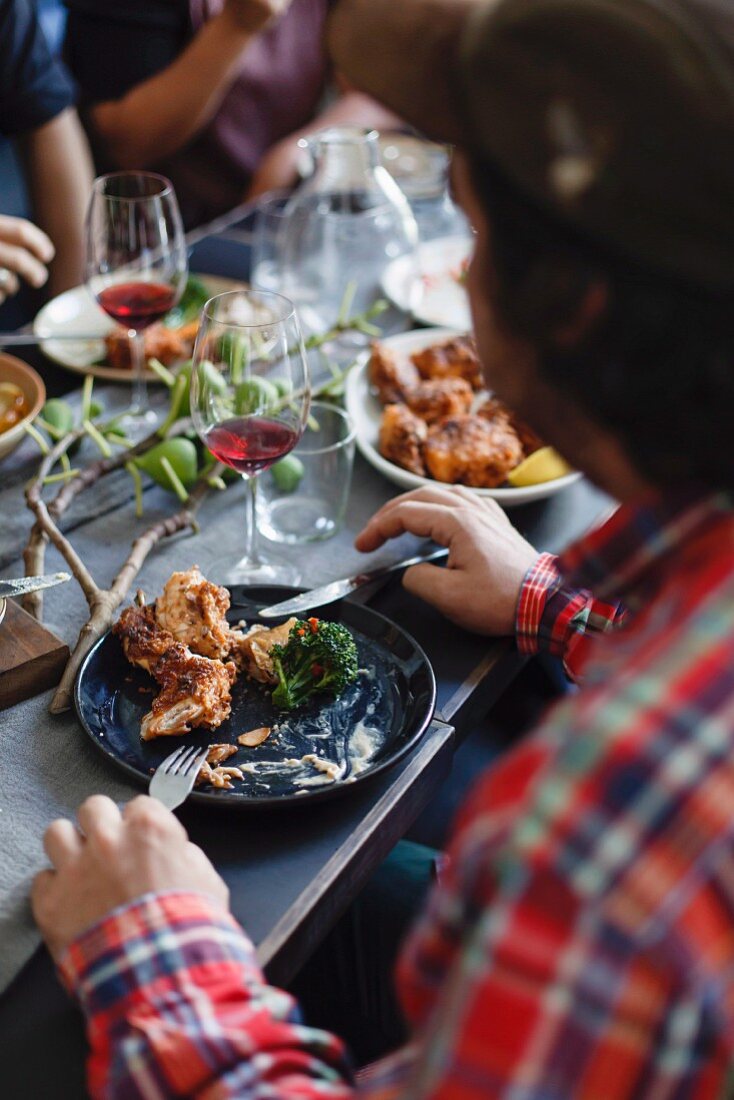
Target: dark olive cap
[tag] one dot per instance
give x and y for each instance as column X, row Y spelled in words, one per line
column 617, row 115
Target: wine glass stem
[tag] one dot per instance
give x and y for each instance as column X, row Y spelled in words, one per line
column 252, row 552
column 140, row 389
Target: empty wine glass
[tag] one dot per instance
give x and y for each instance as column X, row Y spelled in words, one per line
column 136, row 264
column 250, row 396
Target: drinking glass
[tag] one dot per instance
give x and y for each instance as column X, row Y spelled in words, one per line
column 267, row 237
column 306, row 501
column 136, row 264
column 250, row 397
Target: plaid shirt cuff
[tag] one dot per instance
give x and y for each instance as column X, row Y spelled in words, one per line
column 561, row 621
column 148, row 940
column 542, row 580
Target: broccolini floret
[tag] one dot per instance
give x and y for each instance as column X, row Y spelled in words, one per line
column 318, row 657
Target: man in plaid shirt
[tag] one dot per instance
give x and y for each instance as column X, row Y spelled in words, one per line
column 581, row 942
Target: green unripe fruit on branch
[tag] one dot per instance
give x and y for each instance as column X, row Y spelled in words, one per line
column 288, row 473
column 180, row 452
column 254, row 395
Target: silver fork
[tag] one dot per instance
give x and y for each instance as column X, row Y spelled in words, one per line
column 175, row 777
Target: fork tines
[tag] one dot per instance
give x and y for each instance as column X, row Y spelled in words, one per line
column 183, row 760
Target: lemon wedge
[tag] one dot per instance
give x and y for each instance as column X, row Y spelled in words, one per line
column 543, row 465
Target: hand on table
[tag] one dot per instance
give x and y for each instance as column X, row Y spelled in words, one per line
column 24, row 252
column 253, row 15
column 119, row 857
column 488, row 559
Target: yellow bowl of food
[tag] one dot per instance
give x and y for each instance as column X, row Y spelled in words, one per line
column 22, row 396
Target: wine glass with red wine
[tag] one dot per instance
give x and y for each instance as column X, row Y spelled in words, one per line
column 250, row 396
column 136, row 264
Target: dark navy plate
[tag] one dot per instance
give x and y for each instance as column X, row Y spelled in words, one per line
column 369, row 728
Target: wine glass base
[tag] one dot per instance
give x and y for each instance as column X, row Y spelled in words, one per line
column 275, row 570
column 137, row 423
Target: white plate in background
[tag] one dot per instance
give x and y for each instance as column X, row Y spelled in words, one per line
column 427, row 284
column 366, row 413
column 76, row 311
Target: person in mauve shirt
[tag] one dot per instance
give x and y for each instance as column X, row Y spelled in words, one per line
column 213, row 93
column 579, row 944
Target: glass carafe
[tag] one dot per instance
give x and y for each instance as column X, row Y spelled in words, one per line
column 342, row 228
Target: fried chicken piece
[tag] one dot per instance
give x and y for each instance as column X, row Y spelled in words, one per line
column 195, row 689
column 402, row 435
column 221, row 778
column 194, row 611
column 195, row 692
column 472, row 451
column 389, row 376
column 217, row 754
column 211, row 772
column 456, row 358
column 253, row 650
column 144, row 641
column 494, row 410
column 439, row 397
column 160, row 343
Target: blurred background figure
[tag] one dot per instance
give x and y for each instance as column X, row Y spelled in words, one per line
column 45, row 168
column 213, row 93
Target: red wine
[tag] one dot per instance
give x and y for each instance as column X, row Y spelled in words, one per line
column 250, row 443
column 137, row 305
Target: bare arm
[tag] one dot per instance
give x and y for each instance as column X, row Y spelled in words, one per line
column 162, row 114
column 59, row 173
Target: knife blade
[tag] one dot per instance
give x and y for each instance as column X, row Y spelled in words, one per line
column 31, row 584
column 16, row 339
column 336, row 590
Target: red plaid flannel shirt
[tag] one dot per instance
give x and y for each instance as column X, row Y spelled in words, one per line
column 581, row 944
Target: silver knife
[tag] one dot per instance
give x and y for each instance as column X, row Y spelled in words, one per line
column 327, row 593
column 31, row 584
column 16, row 339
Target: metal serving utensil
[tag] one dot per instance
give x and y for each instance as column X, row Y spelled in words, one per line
column 31, row 584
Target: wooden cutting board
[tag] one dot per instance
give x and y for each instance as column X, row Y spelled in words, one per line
column 31, row 657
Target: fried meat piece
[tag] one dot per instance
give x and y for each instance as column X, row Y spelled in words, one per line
column 456, row 358
column 211, row 772
column 217, row 754
column 194, row 611
column 144, row 641
column 218, row 777
column 195, row 692
column 402, row 435
column 494, row 410
column 439, row 397
column 253, row 650
column 471, row 451
column 391, row 377
column 161, row 343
